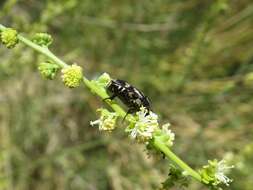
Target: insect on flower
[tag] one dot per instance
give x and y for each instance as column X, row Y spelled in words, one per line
column 133, row 98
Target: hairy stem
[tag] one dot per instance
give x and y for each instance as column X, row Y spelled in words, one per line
column 101, row 93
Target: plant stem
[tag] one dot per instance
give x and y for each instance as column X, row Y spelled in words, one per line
column 161, row 146
column 102, row 93
column 45, row 51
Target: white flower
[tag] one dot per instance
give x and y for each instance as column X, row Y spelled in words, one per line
column 214, row 173
column 221, row 170
column 143, row 128
column 107, row 120
column 170, row 136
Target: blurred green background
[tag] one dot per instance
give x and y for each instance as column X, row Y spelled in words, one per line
column 192, row 58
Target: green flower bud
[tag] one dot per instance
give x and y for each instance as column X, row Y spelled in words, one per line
column 103, row 80
column 9, row 37
column 165, row 135
column 42, row 39
column 72, row 76
column 48, row 70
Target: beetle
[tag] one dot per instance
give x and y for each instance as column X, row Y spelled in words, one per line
column 133, row 98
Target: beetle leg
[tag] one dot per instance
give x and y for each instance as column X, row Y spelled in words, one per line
column 131, row 110
column 148, row 112
column 110, row 98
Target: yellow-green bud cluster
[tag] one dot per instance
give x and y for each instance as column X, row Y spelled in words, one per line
column 107, row 120
column 72, row 76
column 9, row 37
column 42, row 39
column 48, row 70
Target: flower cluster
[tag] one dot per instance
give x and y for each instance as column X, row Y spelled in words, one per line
column 42, row 39
column 107, row 120
column 72, row 76
column 165, row 135
column 144, row 126
column 9, row 37
column 214, row 173
column 48, row 70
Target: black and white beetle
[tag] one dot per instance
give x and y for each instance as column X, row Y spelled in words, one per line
column 133, row 98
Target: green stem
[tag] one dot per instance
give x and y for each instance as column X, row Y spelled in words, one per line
column 101, row 93
column 45, row 51
column 161, row 146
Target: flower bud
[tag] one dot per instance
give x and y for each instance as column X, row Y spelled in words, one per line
column 42, row 39
column 9, row 37
column 107, row 120
column 103, row 80
column 72, row 76
column 165, row 135
column 48, row 70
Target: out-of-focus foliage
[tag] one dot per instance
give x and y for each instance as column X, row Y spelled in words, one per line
column 194, row 59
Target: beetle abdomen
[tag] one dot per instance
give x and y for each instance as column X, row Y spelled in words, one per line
column 128, row 94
